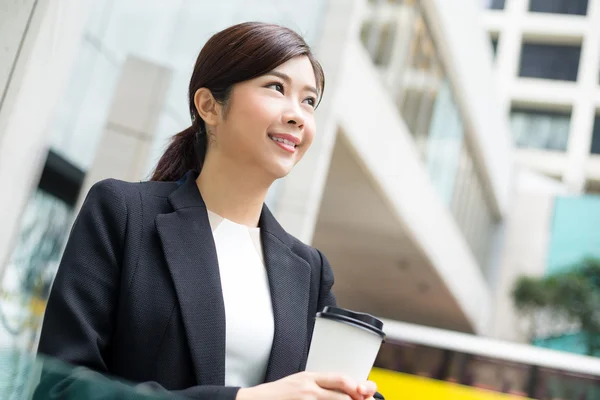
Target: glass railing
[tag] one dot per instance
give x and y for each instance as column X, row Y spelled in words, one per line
column 25, row 376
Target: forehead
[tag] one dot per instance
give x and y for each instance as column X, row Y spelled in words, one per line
column 300, row 71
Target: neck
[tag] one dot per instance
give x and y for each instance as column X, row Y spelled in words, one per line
column 233, row 191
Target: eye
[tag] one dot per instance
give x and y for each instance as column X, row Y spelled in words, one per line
column 311, row 101
column 275, row 85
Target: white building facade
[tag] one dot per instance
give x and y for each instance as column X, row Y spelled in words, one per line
column 547, row 69
column 547, row 63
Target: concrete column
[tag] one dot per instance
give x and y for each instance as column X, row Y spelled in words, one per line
column 509, row 52
column 127, row 138
column 582, row 116
column 299, row 195
column 528, row 227
column 38, row 43
column 16, row 23
column 394, row 76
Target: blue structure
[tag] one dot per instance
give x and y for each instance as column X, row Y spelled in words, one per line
column 575, row 235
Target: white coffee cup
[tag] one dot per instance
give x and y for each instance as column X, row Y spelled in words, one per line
column 345, row 342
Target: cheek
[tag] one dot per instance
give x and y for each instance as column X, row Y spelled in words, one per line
column 309, row 133
column 246, row 116
column 257, row 113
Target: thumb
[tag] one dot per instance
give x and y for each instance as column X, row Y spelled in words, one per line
column 367, row 389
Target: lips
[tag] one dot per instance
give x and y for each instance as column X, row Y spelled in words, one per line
column 285, row 141
column 285, row 138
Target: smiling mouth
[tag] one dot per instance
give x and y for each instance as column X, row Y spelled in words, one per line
column 284, row 141
column 286, row 145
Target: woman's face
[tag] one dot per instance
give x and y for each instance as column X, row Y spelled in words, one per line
column 269, row 121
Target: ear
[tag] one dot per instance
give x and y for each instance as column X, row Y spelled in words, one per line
column 208, row 108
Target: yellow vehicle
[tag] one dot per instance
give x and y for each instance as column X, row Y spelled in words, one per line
column 418, row 362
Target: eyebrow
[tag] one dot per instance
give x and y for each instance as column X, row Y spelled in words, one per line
column 288, row 80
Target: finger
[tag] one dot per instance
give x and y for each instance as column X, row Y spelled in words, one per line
column 336, row 382
column 339, row 383
column 325, row 394
column 368, row 388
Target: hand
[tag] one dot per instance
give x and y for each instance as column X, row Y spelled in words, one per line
column 368, row 390
column 310, row 386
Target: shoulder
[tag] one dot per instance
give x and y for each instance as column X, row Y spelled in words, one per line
column 317, row 260
column 271, row 225
column 118, row 191
column 309, row 253
column 125, row 203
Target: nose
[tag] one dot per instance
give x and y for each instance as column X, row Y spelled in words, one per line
column 293, row 116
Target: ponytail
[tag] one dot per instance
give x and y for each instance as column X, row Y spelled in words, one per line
column 185, row 152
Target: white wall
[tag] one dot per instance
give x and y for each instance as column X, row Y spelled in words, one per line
column 550, row 163
column 527, row 236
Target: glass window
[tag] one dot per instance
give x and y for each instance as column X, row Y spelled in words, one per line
column 444, row 143
column 415, row 359
column 385, row 41
column 494, row 4
column 422, row 83
column 497, row 375
column 561, row 385
column 592, row 187
column 494, row 43
column 378, row 35
column 538, row 129
column 574, row 7
column 549, row 61
column 31, row 267
column 596, row 136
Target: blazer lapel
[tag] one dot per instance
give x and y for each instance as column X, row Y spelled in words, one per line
column 191, row 256
column 190, row 253
column 289, row 280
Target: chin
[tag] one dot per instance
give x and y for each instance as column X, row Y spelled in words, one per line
column 280, row 171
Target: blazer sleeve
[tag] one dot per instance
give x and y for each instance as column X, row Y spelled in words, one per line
column 81, row 309
column 326, row 296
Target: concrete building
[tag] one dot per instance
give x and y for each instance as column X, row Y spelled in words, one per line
column 547, row 64
column 406, row 186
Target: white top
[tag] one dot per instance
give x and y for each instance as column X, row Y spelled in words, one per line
column 249, row 325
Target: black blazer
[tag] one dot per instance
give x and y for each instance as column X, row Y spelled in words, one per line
column 138, row 293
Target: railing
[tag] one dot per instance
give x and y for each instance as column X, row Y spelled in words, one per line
column 471, row 209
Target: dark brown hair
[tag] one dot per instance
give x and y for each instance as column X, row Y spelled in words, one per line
column 236, row 54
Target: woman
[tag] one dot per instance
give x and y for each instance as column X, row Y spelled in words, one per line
column 187, row 283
